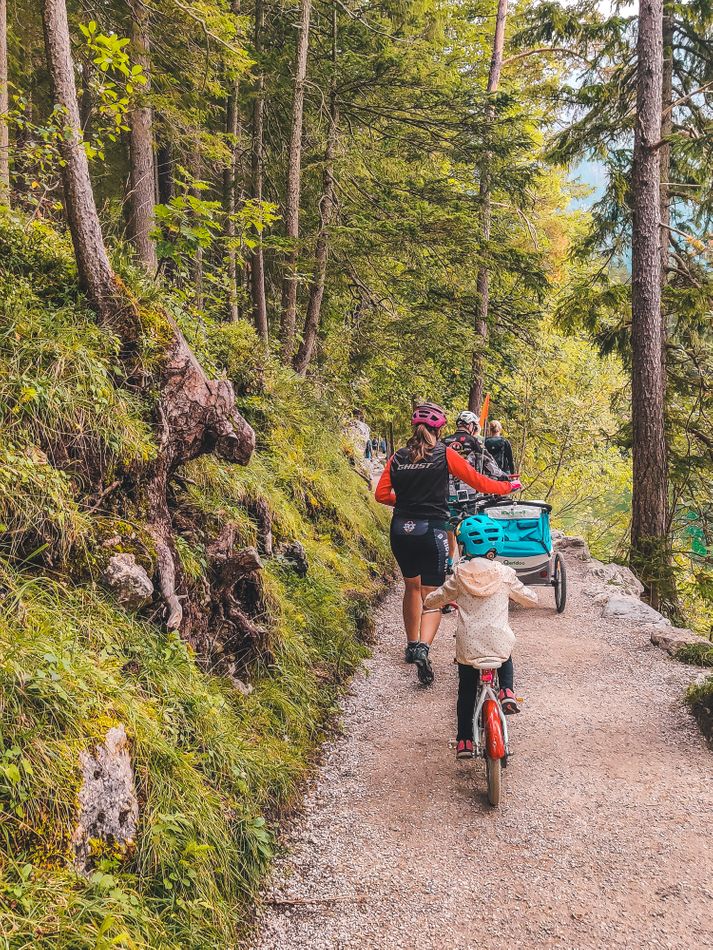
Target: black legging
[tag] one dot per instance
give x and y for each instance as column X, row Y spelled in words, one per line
column 468, row 677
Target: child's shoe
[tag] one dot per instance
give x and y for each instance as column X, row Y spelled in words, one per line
column 464, row 749
column 508, row 700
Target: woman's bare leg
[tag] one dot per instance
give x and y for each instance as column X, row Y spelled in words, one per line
column 452, row 546
column 413, row 605
column 430, row 619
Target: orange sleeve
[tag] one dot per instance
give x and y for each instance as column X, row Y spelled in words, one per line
column 458, row 466
column 384, row 493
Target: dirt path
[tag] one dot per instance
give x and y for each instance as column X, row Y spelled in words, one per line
column 603, row 839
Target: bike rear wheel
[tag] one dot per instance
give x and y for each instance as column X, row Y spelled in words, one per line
column 560, row 583
column 493, row 770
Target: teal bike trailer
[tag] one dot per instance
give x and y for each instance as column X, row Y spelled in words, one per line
column 525, row 543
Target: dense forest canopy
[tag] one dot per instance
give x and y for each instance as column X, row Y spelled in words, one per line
column 383, row 191
column 226, row 228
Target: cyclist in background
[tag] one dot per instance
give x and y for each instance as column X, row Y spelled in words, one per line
column 499, row 447
column 465, row 441
column 415, row 483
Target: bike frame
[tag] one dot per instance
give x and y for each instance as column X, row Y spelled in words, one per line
column 488, row 686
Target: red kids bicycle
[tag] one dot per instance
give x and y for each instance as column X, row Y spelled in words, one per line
column 490, row 731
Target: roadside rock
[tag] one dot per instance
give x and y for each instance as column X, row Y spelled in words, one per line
column 671, row 639
column 573, row 546
column 617, row 575
column 108, row 806
column 128, row 581
column 625, row 607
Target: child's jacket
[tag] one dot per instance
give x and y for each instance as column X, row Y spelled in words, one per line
column 482, row 588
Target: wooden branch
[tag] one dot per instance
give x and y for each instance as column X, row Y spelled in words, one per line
column 102, row 495
column 696, row 92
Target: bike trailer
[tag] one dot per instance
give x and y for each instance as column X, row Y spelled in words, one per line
column 527, row 540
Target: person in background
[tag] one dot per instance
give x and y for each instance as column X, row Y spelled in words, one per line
column 499, row 447
column 415, row 483
column 465, row 442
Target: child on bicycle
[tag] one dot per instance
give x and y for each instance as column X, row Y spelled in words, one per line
column 481, row 587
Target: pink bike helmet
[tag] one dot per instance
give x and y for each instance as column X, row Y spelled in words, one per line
column 428, row 414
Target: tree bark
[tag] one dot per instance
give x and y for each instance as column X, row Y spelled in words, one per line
column 86, row 105
column 649, row 547
column 327, row 212
column 142, row 175
column 232, row 128
column 292, row 191
column 4, row 106
column 482, row 290
column 198, row 294
column 257, row 263
column 95, row 273
column 164, row 171
column 665, row 160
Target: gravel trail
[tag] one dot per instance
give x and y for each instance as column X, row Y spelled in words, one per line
column 603, row 837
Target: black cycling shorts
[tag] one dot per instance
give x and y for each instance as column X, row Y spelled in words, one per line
column 420, row 547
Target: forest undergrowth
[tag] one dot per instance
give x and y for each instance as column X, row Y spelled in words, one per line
column 214, row 764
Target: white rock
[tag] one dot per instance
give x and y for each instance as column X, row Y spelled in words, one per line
column 672, row 639
column 626, row 607
column 128, row 581
column 574, row 546
column 617, row 575
column 108, row 806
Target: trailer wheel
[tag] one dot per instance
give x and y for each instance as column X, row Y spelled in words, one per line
column 559, row 582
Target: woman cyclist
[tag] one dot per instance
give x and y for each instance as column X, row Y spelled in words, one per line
column 415, row 483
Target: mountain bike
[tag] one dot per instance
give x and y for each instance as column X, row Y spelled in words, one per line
column 490, row 732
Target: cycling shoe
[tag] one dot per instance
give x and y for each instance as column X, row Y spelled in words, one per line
column 424, row 669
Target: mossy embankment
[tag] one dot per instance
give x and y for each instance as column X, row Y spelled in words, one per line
column 214, row 765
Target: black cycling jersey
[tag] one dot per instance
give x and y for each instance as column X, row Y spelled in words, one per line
column 501, row 450
column 421, row 487
column 463, row 442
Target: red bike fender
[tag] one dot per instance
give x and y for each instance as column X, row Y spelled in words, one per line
column 494, row 740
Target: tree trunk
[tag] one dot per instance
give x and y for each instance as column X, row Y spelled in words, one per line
column 292, row 191
column 665, row 160
column 327, row 212
column 197, row 268
column 232, row 129
column 164, row 171
column 95, row 273
column 86, row 105
column 142, row 175
column 257, row 264
column 649, row 547
column 475, row 397
column 194, row 415
column 4, row 105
